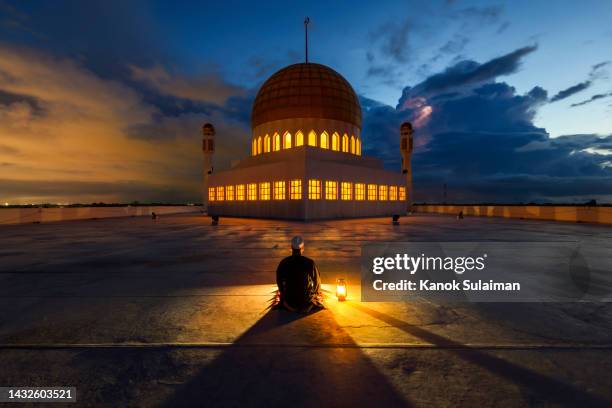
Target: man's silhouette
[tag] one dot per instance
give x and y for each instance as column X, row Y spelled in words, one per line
column 298, row 280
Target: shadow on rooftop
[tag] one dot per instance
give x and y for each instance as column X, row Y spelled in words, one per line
column 545, row 387
column 260, row 370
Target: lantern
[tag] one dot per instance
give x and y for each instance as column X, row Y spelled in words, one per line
column 341, row 290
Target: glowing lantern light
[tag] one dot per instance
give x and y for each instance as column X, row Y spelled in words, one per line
column 341, row 290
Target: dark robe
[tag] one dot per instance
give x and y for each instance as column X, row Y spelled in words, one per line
column 299, row 283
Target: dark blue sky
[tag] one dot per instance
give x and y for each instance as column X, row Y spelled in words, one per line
column 513, row 100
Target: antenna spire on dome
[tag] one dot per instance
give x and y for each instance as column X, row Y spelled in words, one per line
column 306, row 21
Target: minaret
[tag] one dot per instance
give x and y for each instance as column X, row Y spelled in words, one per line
column 406, row 149
column 208, row 148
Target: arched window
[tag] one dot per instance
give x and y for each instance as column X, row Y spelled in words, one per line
column 267, row 144
column 259, row 145
column 287, row 138
column 276, row 142
column 358, row 146
column 353, row 144
column 345, row 143
column 254, row 147
column 324, row 140
column 299, row 138
column 312, row 138
column 335, row 144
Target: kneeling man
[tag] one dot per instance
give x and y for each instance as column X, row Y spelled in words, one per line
column 298, row 280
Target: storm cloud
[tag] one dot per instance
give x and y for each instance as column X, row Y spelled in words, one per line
column 476, row 136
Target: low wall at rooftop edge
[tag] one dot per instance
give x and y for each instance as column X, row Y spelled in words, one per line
column 30, row 215
column 594, row 214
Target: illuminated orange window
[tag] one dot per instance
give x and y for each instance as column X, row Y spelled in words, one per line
column 359, row 191
column 287, row 140
column 299, row 138
column 358, row 147
column 276, row 142
column 345, row 143
column 331, row 190
column 382, row 193
column 259, row 145
column 335, row 143
column 346, row 190
column 324, row 140
column 314, row 189
column 211, row 194
column 229, row 193
column 353, row 144
column 266, row 144
column 220, row 193
column 264, row 191
column 279, row 190
column 240, row 192
column 295, row 189
column 371, row 192
column 402, row 193
column 393, row 193
column 251, row 191
column 254, row 148
column 312, row 138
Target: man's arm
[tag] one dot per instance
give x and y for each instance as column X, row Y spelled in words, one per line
column 280, row 276
column 316, row 278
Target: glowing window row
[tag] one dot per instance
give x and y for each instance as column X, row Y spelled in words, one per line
column 316, row 190
column 277, row 142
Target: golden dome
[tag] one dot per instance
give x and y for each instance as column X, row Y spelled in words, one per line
column 306, row 90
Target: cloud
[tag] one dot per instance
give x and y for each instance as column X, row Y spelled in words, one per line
column 600, row 65
column 481, row 15
column 60, row 85
column 234, row 134
column 574, row 89
column 477, row 136
column 62, row 125
column 12, row 19
column 591, row 99
column 398, row 45
column 208, row 87
column 503, row 27
column 394, row 40
column 467, row 72
column 9, row 150
column 597, row 72
column 453, row 46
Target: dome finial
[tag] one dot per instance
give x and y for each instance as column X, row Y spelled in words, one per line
column 306, row 21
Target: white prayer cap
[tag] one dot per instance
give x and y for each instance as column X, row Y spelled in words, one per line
column 297, row 242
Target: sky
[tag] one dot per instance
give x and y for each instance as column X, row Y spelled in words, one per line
column 104, row 100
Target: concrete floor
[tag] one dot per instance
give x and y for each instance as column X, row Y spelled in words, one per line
column 135, row 312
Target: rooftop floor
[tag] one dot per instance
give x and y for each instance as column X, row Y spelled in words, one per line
column 172, row 312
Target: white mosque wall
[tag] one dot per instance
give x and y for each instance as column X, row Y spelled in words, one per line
column 306, row 164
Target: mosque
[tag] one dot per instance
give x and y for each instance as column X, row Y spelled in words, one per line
column 306, row 158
